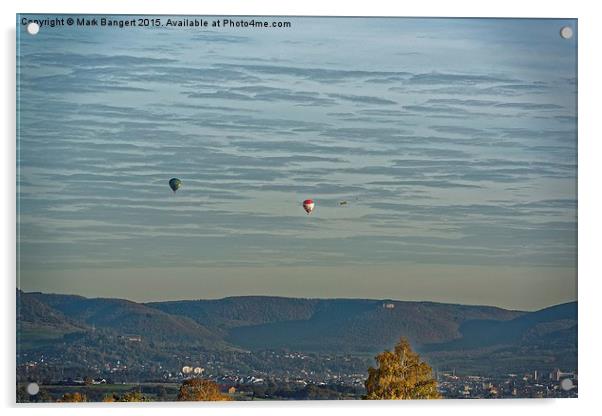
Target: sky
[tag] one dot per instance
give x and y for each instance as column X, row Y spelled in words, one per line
column 452, row 140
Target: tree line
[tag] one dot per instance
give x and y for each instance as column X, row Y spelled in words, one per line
column 399, row 375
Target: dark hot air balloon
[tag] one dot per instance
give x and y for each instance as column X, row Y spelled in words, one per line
column 175, row 184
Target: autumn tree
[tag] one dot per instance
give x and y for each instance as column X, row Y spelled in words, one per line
column 76, row 397
column 133, row 396
column 196, row 389
column 401, row 375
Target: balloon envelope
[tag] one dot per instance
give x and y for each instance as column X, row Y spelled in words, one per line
column 308, row 206
column 175, row 184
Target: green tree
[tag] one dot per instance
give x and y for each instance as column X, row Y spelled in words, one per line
column 196, row 389
column 42, row 397
column 400, row 375
column 162, row 393
column 22, row 395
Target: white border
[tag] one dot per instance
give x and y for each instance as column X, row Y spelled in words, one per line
column 590, row 185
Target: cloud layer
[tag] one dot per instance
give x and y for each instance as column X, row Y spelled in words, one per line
column 465, row 161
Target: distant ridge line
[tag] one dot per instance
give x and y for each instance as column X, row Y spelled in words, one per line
column 296, row 298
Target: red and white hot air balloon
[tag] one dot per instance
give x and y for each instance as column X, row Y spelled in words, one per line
column 308, row 206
